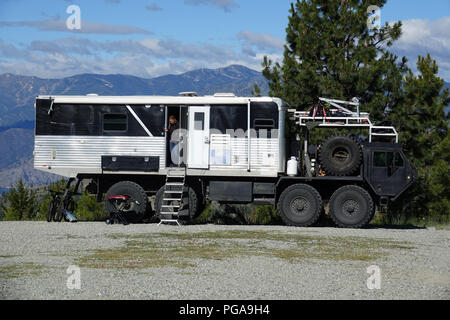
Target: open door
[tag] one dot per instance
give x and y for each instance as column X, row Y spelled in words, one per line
column 198, row 143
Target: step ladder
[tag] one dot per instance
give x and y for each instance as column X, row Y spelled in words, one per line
column 172, row 202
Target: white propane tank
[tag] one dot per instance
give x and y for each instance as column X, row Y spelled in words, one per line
column 292, row 167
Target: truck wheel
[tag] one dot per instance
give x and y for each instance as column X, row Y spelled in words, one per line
column 133, row 212
column 300, row 205
column 340, row 155
column 194, row 204
column 351, row 207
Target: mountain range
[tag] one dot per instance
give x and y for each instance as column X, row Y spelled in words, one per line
column 17, row 95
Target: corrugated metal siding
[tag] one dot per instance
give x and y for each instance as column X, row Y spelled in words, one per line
column 82, row 154
column 264, row 153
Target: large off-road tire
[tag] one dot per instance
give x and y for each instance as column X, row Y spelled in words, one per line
column 300, row 205
column 340, row 155
column 192, row 209
column 135, row 212
column 351, row 207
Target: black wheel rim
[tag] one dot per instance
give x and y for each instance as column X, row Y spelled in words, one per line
column 350, row 208
column 300, row 206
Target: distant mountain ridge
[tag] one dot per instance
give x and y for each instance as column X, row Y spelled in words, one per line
column 17, row 95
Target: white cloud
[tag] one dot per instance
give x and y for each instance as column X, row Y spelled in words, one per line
column 59, row 25
column 420, row 37
column 146, row 58
column 260, row 41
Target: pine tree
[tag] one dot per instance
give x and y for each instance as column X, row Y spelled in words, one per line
column 423, row 131
column 256, row 91
column 331, row 52
column 21, row 203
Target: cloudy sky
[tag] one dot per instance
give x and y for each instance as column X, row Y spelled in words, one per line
column 148, row 38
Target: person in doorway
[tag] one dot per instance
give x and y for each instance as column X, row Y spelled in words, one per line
column 174, row 139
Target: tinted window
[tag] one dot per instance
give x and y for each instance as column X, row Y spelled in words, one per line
column 233, row 117
column 379, row 159
column 153, row 117
column 387, row 159
column 115, row 122
column 395, row 159
column 264, row 119
column 65, row 119
column 69, row 113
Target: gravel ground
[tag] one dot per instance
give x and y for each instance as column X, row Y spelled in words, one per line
column 221, row 262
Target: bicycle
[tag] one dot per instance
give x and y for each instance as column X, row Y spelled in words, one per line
column 61, row 202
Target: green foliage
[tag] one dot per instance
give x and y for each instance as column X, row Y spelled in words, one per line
column 256, row 91
column 264, row 215
column 3, row 204
column 331, row 52
column 88, row 209
column 45, row 200
column 238, row 214
column 43, row 207
column 423, row 128
column 20, row 203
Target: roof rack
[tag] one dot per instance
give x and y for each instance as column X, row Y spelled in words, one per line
column 339, row 117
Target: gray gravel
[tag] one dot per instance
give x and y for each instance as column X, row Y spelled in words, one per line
column 235, row 262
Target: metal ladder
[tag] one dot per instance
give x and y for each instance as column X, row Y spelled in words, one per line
column 172, row 202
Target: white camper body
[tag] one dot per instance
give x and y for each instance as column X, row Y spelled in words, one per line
column 124, row 135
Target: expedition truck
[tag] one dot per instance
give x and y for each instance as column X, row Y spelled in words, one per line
column 234, row 150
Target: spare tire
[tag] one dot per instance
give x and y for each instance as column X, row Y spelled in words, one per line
column 340, row 155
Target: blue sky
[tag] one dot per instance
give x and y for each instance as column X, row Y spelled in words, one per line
column 148, row 38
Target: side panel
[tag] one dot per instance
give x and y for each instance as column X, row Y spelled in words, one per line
column 71, row 155
column 231, row 191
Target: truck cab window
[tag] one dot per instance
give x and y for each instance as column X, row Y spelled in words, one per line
column 388, row 159
column 379, row 159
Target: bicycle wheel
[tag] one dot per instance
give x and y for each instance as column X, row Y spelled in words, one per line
column 59, row 213
column 51, row 211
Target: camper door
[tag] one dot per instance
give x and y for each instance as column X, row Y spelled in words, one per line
column 198, row 144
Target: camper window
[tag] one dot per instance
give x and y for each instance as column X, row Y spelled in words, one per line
column 69, row 113
column 115, row 122
column 199, row 121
